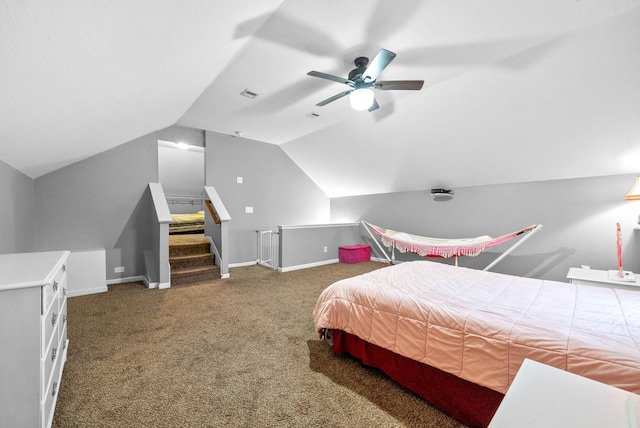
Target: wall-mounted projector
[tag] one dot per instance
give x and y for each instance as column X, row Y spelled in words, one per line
column 442, row 194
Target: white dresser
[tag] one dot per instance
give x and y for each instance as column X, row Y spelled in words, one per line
column 33, row 336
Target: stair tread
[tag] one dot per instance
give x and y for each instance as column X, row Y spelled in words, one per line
column 190, row 256
column 194, row 269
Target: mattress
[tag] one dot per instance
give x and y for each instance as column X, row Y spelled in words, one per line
column 187, row 223
column 480, row 326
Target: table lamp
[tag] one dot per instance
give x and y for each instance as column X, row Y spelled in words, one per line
column 634, row 193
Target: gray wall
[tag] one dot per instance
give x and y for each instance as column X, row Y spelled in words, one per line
column 578, row 215
column 277, row 189
column 304, row 246
column 16, row 211
column 101, row 202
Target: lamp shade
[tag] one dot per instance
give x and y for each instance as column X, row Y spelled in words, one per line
column 361, row 99
column 634, row 193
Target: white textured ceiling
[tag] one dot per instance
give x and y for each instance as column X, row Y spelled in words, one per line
column 514, row 90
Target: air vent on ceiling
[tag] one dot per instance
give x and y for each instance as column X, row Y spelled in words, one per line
column 247, row 93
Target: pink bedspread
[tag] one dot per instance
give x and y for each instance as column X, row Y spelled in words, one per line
column 481, row 325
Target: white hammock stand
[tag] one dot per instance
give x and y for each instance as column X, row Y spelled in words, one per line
column 438, row 247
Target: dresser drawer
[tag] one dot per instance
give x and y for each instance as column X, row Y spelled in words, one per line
column 51, row 393
column 48, row 362
column 62, row 322
column 64, row 342
column 49, row 325
column 50, row 291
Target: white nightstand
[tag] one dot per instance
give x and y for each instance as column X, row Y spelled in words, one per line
column 542, row 396
column 601, row 278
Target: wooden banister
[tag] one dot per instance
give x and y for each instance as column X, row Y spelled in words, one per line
column 212, row 211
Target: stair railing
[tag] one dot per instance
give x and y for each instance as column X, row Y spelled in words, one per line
column 218, row 234
column 158, row 270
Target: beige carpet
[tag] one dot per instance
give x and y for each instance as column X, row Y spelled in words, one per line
column 240, row 352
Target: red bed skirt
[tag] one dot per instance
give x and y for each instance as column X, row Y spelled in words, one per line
column 468, row 403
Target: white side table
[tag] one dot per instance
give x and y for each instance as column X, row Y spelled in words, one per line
column 601, row 278
column 544, row 396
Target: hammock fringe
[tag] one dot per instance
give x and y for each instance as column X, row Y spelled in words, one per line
column 437, row 247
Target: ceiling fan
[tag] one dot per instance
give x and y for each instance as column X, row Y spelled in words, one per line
column 362, row 80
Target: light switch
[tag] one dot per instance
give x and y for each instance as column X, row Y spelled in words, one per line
column 239, row 180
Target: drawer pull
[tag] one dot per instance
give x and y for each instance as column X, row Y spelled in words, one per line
column 53, row 354
column 53, row 318
column 54, row 389
column 64, row 268
column 55, row 285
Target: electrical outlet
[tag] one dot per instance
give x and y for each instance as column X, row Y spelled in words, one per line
column 325, row 249
column 239, row 180
column 248, row 210
column 118, row 269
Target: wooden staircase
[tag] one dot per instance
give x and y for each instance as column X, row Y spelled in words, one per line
column 191, row 260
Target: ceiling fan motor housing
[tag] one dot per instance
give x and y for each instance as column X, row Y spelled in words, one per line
column 361, row 66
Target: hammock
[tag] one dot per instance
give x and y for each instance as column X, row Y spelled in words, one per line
column 439, row 247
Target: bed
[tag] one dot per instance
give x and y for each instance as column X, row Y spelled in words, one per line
column 187, row 223
column 457, row 336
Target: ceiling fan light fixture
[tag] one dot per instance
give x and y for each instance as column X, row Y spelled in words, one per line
column 361, row 99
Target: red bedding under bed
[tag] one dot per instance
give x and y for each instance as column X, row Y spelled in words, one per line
column 468, row 403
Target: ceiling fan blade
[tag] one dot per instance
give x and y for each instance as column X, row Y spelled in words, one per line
column 333, row 98
column 331, row 77
column 375, row 106
column 378, row 64
column 407, row 85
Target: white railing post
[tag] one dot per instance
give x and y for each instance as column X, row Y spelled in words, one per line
column 223, row 216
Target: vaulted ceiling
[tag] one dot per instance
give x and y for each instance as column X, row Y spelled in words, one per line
column 514, row 91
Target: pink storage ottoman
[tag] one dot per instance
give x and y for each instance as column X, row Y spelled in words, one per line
column 354, row 253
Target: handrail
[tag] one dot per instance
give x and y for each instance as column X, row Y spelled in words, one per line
column 157, row 256
column 220, row 239
column 160, row 203
column 212, row 211
column 217, row 204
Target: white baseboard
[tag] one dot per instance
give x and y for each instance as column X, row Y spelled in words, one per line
column 242, row 264
column 88, row 291
column 129, row 279
column 305, row 266
column 308, row 265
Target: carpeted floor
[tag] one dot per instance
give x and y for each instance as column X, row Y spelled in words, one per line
column 240, row 352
